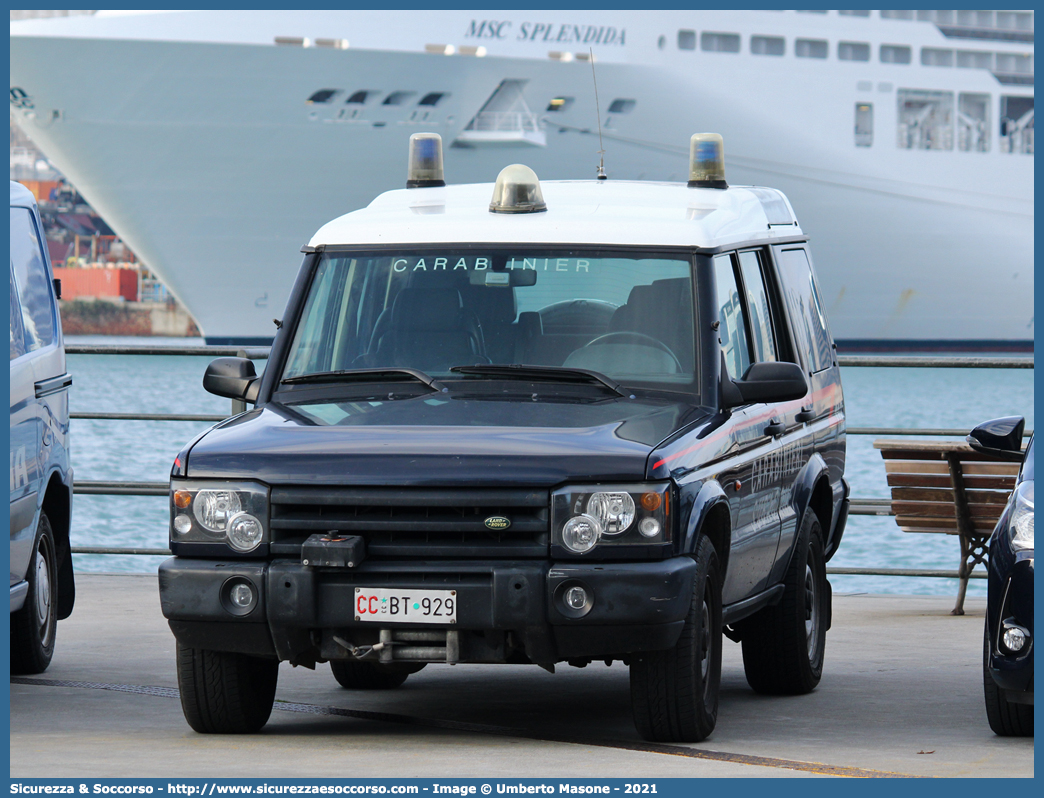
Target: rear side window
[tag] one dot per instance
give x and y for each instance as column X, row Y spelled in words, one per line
column 732, row 329
column 758, row 303
column 32, row 279
column 806, row 310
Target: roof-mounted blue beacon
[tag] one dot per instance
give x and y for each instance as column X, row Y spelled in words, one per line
column 425, row 161
column 706, row 161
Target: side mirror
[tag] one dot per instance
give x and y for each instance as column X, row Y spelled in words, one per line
column 232, row 377
column 768, row 382
column 1001, row 437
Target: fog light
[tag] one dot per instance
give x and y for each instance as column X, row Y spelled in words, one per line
column 244, row 532
column 576, row 597
column 580, row 533
column 241, row 595
column 649, row 527
column 1014, row 639
column 182, row 524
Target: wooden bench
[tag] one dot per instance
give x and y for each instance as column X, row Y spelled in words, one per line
column 947, row 487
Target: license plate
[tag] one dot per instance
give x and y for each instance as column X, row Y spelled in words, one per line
column 389, row 605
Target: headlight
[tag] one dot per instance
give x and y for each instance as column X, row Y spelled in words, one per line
column 1022, row 517
column 586, row 517
column 234, row 513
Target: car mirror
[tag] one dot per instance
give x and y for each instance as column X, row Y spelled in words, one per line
column 1001, row 437
column 768, row 382
column 232, row 377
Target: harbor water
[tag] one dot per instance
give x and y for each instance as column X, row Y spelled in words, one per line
column 143, row 451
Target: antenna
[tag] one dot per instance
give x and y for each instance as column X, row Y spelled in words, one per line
column 601, row 150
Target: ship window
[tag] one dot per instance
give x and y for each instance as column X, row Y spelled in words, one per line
column 433, row 98
column 1013, row 63
column 932, row 56
column 720, row 42
column 398, row 97
column 814, row 11
column 686, row 40
column 939, row 17
column 895, row 54
column 1016, row 126
column 978, row 19
column 358, row 98
column 810, row 48
column 974, row 59
column 621, row 106
column 973, row 123
column 560, row 104
column 853, row 51
column 324, row 95
column 767, row 45
column 849, row 13
column 864, row 124
column 925, row 119
column 903, row 14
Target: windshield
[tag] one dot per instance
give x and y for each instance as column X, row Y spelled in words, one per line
column 623, row 315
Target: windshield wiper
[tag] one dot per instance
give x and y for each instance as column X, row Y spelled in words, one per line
column 368, row 375
column 552, row 373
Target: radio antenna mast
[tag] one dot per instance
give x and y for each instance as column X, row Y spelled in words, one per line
column 601, row 150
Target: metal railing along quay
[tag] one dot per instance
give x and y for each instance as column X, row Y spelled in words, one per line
column 858, row 506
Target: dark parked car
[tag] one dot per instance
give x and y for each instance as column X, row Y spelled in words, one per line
column 1007, row 659
column 42, row 589
column 604, row 427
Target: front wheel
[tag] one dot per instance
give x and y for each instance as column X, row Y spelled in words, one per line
column 33, row 627
column 225, row 693
column 1006, row 718
column 784, row 645
column 674, row 693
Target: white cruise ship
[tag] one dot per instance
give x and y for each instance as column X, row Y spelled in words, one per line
column 216, row 142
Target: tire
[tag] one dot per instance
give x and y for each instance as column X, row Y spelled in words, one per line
column 1006, row 718
column 34, row 626
column 784, row 645
column 354, row 675
column 674, row 693
column 224, row 693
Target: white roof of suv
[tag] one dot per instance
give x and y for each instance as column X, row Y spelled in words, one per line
column 585, row 212
column 21, row 196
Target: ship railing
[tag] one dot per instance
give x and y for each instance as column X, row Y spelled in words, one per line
column 858, row 506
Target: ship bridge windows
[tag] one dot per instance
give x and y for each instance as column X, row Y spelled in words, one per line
column 720, row 42
column 896, row 54
column 433, row 98
column 398, row 97
column 622, row 106
column 853, row 51
column 686, row 40
column 1014, row 68
column 936, row 57
column 925, row 119
column 324, row 95
column 767, row 45
column 811, row 48
column 864, row 124
column 1016, row 125
column 360, row 97
column 973, row 122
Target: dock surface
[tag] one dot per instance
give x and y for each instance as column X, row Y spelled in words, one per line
column 901, row 695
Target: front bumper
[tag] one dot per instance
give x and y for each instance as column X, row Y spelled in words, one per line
column 506, row 611
column 1013, row 672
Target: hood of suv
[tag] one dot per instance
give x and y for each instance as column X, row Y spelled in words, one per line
column 441, row 440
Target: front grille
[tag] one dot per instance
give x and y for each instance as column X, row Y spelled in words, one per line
column 414, row 522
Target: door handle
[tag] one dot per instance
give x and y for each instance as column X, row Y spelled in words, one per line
column 806, row 414
column 775, row 428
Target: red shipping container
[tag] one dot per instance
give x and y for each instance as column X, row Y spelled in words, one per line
column 78, row 283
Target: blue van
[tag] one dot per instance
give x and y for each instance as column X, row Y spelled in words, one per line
column 42, row 588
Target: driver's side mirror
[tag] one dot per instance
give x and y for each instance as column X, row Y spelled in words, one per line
column 1000, row 437
column 232, row 377
column 766, row 382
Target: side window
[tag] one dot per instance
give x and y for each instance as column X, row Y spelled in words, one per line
column 732, row 330
column 33, row 280
column 17, row 334
column 758, row 306
column 806, row 311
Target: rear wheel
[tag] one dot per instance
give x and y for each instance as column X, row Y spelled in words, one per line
column 225, row 693
column 674, row 693
column 1006, row 718
column 784, row 645
column 355, row 675
column 33, row 627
